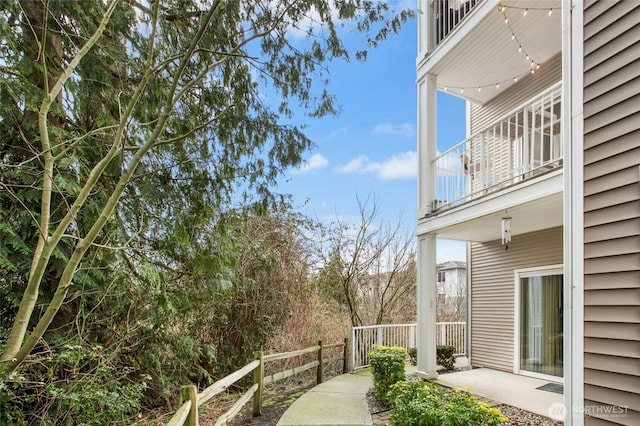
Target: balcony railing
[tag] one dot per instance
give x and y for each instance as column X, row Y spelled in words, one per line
column 448, row 14
column 523, row 144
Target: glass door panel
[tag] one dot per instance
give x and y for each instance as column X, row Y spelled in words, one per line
column 541, row 324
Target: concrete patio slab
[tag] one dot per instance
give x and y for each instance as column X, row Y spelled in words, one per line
column 506, row 388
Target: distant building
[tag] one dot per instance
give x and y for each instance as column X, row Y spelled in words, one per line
column 451, row 303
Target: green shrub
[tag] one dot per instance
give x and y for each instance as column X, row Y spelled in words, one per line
column 387, row 368
column 413, row 355
column 444, row 356
column 76, row 384
column 427, row 404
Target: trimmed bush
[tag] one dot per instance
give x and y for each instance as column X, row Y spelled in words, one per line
column 413, row 355
column 387, row 368
column 444, row 356
column 427, row 404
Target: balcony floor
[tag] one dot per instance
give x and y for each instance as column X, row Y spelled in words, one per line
column 501, row 387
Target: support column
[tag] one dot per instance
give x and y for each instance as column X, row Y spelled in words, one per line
column 427, row 131
column 573, row 140
column 426, row 367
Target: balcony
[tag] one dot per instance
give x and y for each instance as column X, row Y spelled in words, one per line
column 524, row 144
column 448, row 14
column 486, row 44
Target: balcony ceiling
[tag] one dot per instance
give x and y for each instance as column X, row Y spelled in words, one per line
column 486, row 54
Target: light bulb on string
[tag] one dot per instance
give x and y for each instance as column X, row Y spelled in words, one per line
column 550, row 12
column 525, row 12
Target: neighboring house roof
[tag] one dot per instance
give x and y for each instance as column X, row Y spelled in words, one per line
column 451, row 265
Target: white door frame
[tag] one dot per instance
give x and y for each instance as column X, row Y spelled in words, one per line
column 523, row 273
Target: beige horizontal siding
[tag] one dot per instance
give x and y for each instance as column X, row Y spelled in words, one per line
column 612, row 210
column 625, row 279
column 620, row 331
column 603, row 414
column 606, row 396
column 492, row 292
column 622, row 348
column 612, row 230
column 615, row 364
column 526, row 88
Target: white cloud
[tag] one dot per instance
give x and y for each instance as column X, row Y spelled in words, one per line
column 402, row 129
column 354, row 166
column 315, row 162
column 400, row 166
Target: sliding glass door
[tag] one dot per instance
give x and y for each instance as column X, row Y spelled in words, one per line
column 540, row 322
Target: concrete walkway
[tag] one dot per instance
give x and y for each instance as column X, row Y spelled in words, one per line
column 341, row 400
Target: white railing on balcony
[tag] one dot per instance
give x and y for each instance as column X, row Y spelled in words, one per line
column 448, row 14
column 523, row 144
column 403, row 335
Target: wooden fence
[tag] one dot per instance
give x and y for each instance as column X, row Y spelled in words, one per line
column 191, row 400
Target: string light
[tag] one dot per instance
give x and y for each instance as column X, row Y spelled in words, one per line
column 532, row 63
column 503, row 7
column 480, row 88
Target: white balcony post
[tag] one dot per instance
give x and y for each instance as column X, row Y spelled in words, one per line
column 426, row 367
column 427, row 89
column 426, row 27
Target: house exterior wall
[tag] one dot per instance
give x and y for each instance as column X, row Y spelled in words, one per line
column 493, row 291
column 612, row 211
column 482, row 116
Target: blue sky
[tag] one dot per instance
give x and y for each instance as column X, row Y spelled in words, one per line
column 369, row 149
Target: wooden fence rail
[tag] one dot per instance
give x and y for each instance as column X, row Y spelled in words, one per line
column 191, row 400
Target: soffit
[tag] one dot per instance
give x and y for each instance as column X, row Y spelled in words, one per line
column 487, row 54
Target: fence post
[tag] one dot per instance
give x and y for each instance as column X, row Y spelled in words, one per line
column 345, row 354
column 190, row 393
column 320, row 364
column 353, row 347
column 258, row 377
